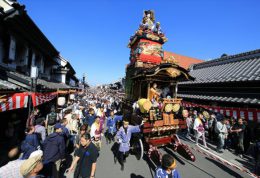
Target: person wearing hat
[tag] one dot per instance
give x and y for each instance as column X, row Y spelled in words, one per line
column 31, row 167
column 168, row 168
column 123, row 136
column 54, row 150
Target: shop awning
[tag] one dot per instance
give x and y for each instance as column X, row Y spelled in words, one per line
column 40, row 98
column 13, row 101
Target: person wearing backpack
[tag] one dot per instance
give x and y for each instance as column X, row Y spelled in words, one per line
column 51, row 120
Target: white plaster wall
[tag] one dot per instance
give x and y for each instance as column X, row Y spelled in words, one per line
column 63, row 78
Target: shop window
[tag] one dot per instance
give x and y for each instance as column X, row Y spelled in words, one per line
column 242, row 114
column 227, row 112
column 250, row 116
column 258, row 117
column 235, row 114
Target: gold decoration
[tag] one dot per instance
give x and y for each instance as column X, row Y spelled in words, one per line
column 168, row 107
column 176, row 107
column 153, row 37
column 173, row 72
column 170, row 59
column 152, row 50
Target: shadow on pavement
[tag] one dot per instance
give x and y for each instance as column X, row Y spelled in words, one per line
column 224, row 168
column 246, row 164
column 169, row 151
column 151, row 165
column 135, row 176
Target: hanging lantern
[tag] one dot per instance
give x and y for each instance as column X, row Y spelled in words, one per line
column 61, row 101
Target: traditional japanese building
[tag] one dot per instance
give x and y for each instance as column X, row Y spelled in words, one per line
column 181, row 60
column 22, row 46
column 229, row 85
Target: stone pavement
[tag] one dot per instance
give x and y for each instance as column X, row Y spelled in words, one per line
column 106, row 168
column 246, row 162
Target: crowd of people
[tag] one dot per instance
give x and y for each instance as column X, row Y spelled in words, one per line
column 69, row 140
column 226, row 132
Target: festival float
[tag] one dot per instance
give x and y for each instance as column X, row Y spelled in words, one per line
column 151, row 87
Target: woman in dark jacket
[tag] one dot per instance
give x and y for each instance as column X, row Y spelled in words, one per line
column 30, row 143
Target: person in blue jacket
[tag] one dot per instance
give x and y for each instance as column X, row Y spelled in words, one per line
column 124, row 135
column 54, row 151
column 168, row 168
column 111, row 126
column 31, row 143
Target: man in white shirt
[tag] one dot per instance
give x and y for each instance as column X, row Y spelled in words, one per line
column 221, row 130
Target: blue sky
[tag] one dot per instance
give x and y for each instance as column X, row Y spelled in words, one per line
column 93, row 34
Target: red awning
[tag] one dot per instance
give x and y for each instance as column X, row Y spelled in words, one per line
column 40, row 98
column 13, row 101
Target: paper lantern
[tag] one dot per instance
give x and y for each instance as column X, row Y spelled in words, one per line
column 176, row 107
column 144, row 105
column 61, row 101
column 72, row 96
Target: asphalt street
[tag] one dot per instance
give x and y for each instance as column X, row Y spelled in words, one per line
column 203, row 167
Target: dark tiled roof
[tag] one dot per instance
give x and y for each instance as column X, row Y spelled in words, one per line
column 5, row 85
column 52, row 85
column 47, row 84
column 234, row 68
column 221, row 98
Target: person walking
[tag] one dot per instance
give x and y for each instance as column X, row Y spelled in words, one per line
column 222, row 132
column 40, row 129
column 51, row 119
column 111, row 126
column 54, row 151
column 85, row 159
column 168, row 168
column 123, row 136
column 95, row 132
column 83, row 131
column 31, row 143
column 199, row 130
column 239, row 130
column 90, row 118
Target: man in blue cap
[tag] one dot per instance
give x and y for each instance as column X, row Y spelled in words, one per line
column 54, row 151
